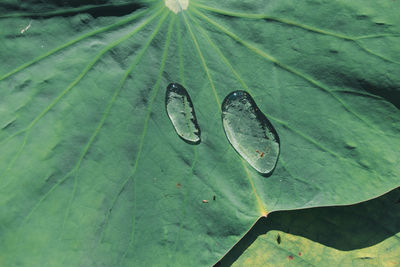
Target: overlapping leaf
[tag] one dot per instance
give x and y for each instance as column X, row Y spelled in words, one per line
column 365, row 234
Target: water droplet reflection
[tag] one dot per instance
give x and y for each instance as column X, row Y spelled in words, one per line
column 250, row 132
column 181, row 112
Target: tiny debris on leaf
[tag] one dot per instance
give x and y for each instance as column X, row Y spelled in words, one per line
column 205, row 201
column 299, row 253
column 26, row 28
column 365, row 258
column 178, row 185
column 278, row 239
column 261, row 153
column 290, row 257
column 214, row 197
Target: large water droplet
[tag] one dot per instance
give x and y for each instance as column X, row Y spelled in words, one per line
column 250, row 132
column 181, row 112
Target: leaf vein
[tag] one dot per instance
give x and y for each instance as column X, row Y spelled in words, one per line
column 144, row 132
column 72, row 42
column 101, row 123
column 260, row 205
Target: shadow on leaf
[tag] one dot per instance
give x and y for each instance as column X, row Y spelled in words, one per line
column 344, row 228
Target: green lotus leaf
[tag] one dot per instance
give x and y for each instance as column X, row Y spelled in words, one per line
column 92, row 172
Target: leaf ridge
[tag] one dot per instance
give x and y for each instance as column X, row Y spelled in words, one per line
column 287, row 68
column 74, row 41
column 156, row 88
column 305, row 27
column 107, row 111
column 101, row 123
column 308, row 79
column 72, row 85
column 181, row 70
column 203, row 62
column 241, row 81
column 260, row 205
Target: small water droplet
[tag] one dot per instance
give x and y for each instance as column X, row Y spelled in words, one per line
column 250, row 132
column 180, row 110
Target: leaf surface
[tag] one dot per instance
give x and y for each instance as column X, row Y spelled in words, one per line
column 91, row 169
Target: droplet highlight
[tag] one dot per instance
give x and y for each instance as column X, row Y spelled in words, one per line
column 250, row 132
column 181, row 112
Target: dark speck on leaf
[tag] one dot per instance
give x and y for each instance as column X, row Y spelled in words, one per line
column 214, row 197
column 278, row 239
column 290, row 257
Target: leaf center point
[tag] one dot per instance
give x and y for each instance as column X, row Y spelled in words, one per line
column 177, row 6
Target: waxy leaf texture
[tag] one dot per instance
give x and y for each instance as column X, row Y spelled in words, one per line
column 93, row 174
